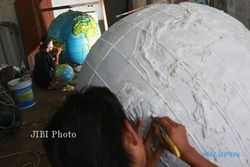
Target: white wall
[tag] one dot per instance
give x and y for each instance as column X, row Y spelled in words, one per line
column 95, row 8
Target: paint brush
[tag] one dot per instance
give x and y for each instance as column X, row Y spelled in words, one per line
column 169, row 142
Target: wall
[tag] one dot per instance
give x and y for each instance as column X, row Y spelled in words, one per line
column 7, row 11
column 239, row 9
column 11, row 50
column 71, row 2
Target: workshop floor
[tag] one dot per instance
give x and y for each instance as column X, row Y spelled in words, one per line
column 17, row 149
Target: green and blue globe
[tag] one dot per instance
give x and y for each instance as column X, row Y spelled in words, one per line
column 64, row 73
column 75, row 32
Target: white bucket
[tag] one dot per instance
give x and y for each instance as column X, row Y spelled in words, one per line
column 22, row 92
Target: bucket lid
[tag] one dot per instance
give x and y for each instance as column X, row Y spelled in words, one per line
column 14, row 82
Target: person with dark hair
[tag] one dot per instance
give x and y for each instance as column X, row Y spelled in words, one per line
column 43, row 73
column 104, row 137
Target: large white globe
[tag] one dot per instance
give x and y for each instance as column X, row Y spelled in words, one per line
column 189, row 62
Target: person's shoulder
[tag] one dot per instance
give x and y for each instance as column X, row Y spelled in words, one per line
column 45, row 54
column 41, row 52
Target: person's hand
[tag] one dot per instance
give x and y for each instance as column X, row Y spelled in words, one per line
column 59, row 50
column 152, row 156
column 175, row 131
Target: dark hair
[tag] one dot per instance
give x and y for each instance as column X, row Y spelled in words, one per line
column 97, row 117
column 44, row 41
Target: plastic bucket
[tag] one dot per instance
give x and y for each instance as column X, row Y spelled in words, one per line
column 22, row 92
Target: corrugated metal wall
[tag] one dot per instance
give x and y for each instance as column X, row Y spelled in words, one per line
column 11, row 49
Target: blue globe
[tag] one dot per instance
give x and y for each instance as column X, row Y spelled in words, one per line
column 75, row 32
column 64, row 73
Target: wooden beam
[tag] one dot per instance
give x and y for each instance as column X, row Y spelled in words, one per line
column 104, row 15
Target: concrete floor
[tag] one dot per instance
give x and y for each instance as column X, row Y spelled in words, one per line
column 34, row 118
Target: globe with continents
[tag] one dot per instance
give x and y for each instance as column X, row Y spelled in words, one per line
column 64, row 73
column 75, row 32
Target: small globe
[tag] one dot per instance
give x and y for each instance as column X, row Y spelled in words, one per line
column 75, row 32
column 64, row 73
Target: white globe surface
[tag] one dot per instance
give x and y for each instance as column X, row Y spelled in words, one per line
column 188, row 61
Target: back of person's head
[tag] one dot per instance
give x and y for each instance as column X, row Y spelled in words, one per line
column 44, row 42
column 97, row 118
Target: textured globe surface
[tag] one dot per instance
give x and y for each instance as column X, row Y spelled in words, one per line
column 190, row 62
column 64, row 73
column 75, row 32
